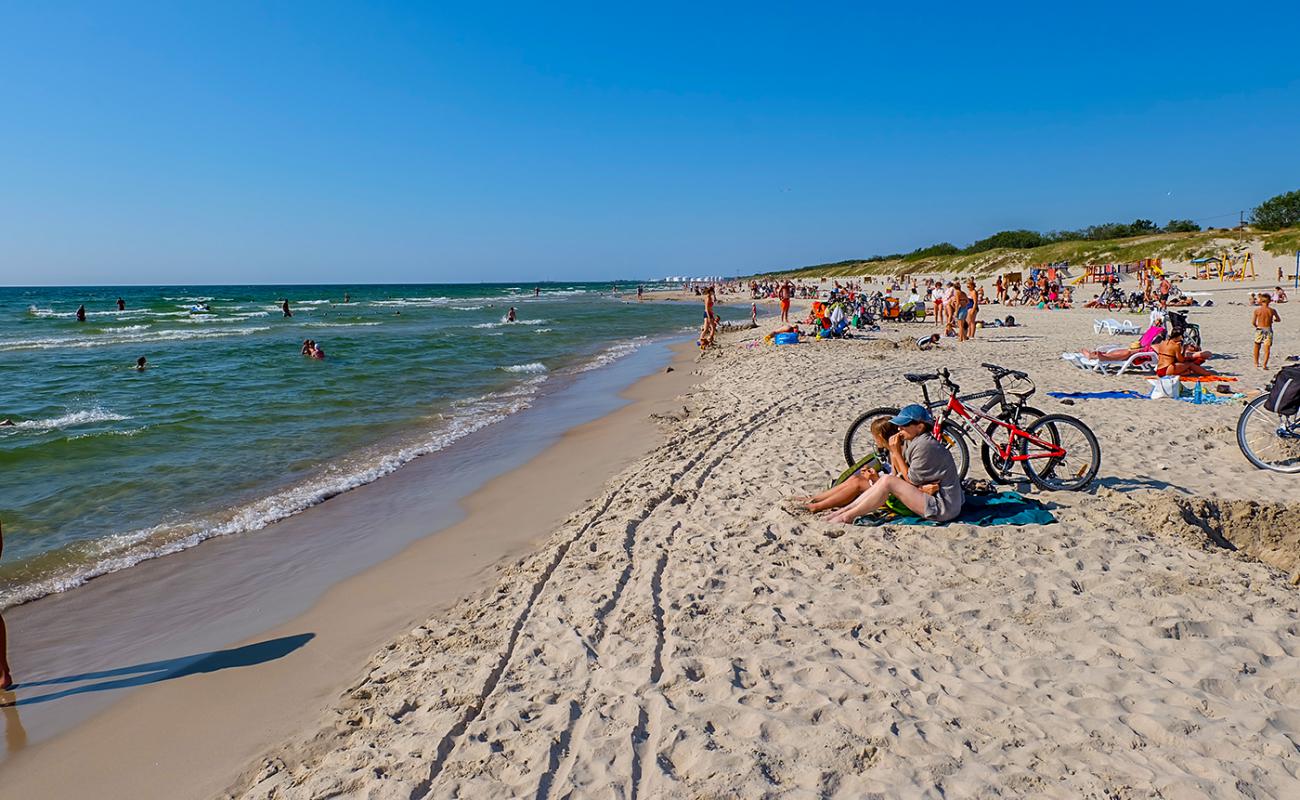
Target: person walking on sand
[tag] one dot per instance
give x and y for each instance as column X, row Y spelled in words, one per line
column 6, row 678
column 640, row 293
column 1263, row 318
column 284, row 306
column 708, row 303
column 783, row 294
column 753, row 314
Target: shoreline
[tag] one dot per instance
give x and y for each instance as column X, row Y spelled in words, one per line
column 347, row 621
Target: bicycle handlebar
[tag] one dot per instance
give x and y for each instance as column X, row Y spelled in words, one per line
column 1003, row 371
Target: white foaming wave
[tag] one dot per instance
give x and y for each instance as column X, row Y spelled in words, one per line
column 503, row 323
column 69, row 420
column 46, row 312
column 341, row 324
column 467, row 308
column 293, row 303
column 532, row 366
column 190, row 299
column 140, row 337
column 543, row 330
column 125, row 550
column 421, row 302
column 129, row 328
column 613, row 353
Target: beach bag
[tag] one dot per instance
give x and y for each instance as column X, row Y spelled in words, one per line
column 1284, row 397
column 1168, row 386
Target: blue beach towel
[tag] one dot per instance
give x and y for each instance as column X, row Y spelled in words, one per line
column 1003, row 508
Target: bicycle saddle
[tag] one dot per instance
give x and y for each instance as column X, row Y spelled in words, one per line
column 922, row 377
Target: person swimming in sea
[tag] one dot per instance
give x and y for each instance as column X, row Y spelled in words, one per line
column 317, row 351
column 510, row 315
column 307, row 346
column 140, row 364
column 284, row 306
column 121, row 304
column 81, row 313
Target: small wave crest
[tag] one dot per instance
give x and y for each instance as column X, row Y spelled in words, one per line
column 69, row 420
column 532, row 367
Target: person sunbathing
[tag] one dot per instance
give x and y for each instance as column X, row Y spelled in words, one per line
column 1145, row 345
column 1172, row 358
column 882, row 430
column 931, row 486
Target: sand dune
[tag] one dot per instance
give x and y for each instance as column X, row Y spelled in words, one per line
column 687, row 636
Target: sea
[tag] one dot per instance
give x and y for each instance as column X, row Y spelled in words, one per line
column 229, row 428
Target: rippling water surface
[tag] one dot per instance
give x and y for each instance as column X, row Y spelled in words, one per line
column 230, row 428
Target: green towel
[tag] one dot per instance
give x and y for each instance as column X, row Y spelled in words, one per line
column 1003, row 508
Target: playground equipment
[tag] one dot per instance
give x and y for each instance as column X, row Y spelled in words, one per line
column 1226, row 267
column 1105, row 273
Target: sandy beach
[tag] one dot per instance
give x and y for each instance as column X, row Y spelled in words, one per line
column 686, row 634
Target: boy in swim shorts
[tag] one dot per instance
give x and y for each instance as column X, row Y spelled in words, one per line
column 1263, row 318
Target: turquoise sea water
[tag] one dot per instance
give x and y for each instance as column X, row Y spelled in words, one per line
column 230, row 428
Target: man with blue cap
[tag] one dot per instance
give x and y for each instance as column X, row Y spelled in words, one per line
column 926, row 478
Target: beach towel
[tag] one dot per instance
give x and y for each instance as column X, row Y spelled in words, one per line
column 1125, row 394
column 1003, row 508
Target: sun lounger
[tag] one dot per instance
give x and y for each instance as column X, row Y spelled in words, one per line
column 1115, row 327
column 1136, row 363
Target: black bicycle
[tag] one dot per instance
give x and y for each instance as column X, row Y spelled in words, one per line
column 1010, row 395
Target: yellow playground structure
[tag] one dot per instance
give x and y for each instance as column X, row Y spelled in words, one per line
column 1226, row 267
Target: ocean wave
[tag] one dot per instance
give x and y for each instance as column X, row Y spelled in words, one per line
column 543, row 330
column 141, row 337
column 70, row 420
column 532, row 366
column 90, row 559
column 190, row 299
column 504, row 324
column 613, row 353
column 341, row 324
column 467, row 308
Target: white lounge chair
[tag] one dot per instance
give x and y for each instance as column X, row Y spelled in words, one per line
column 1136, row 363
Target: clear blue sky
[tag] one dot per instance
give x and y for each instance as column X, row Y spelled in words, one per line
column 303, row 142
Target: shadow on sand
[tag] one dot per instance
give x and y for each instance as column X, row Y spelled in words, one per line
column 156, row 671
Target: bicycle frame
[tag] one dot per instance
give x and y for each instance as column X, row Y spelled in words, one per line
column 955, row 406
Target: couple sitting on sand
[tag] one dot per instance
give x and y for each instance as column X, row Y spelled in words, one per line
column 920, row 473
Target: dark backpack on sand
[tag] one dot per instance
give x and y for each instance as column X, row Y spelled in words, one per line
column 1284, row 397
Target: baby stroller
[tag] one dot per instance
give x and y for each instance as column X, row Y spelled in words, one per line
column 1177, row 321
column 912, row 312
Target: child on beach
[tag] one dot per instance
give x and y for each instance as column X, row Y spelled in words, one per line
column 882, row 430
column 931, row 486
column 1263, row 318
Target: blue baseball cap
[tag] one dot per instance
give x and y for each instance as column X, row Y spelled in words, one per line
column 913, row 413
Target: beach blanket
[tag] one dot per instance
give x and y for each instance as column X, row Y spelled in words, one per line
column 1003, row 508
column 1125, row 394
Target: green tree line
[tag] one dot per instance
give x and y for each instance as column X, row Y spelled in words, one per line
column 1273, row 214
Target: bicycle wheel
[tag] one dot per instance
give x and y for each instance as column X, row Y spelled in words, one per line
column 1267, row 440
column 858, row 442
column 998, row 468
column 1069, row 472
column 956, row 444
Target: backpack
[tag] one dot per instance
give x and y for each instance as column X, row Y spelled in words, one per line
column 1284, row 397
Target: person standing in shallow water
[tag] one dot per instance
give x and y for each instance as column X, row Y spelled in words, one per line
column 121, row 304
column 285, row 308
column 81, row 313
column 6, row 679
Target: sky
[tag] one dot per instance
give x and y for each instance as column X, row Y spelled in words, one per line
column 426, row 142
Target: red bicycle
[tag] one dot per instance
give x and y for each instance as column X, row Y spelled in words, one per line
column 1056, row 451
